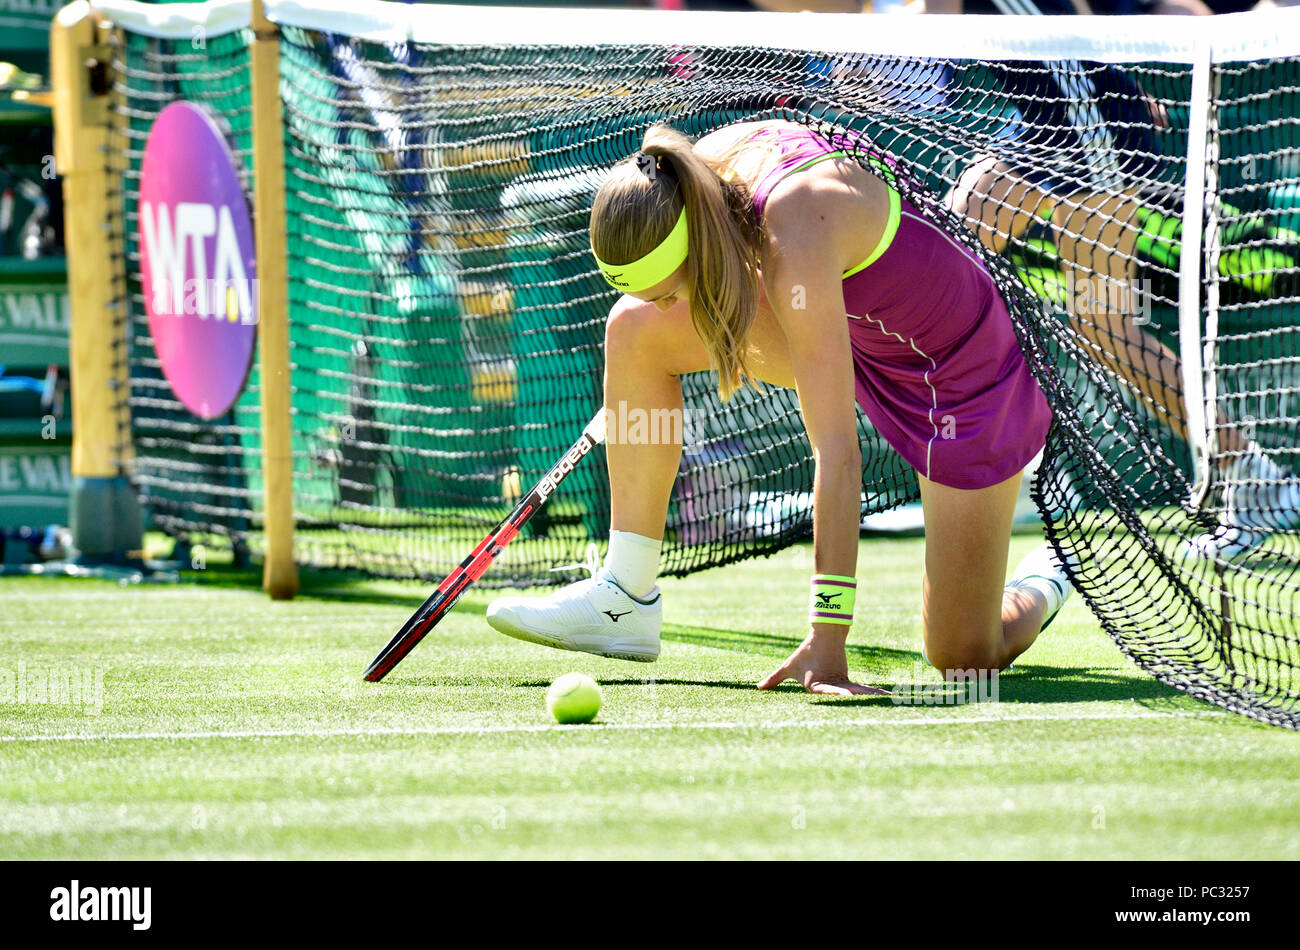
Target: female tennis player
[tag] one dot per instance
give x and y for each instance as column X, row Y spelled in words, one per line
column 766, row 254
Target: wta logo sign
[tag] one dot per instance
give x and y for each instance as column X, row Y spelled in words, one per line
column 198, row 264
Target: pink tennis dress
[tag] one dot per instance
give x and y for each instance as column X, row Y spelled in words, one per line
column 939, row 371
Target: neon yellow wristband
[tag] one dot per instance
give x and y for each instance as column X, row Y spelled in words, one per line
column 833, row 597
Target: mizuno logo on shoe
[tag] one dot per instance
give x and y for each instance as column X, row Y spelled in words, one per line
column 613, row 616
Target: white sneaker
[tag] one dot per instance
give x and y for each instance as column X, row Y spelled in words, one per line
column 592, row 616
column 1041, row 570
column 1261, row 499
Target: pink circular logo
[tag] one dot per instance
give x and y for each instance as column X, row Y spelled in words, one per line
column 198, row 263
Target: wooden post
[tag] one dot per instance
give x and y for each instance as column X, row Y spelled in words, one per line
column 280, row 573
column 104, row 514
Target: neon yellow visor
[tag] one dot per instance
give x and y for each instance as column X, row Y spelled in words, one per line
column 654, row 267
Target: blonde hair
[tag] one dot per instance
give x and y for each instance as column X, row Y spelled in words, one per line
column 633, row 212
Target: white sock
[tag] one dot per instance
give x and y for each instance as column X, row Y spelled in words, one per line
column 1038, row 571
column 1051, row 592
column 633, row 559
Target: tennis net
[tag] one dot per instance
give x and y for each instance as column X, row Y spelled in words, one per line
column 446, row 319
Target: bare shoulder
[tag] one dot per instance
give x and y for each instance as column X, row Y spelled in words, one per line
column 716, row 143
column 827, row 213
column 817, row 189
column 807, row 204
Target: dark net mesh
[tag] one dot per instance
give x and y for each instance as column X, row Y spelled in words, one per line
column 446, row 320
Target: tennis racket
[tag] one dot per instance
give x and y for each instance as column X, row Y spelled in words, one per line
column 480, row 559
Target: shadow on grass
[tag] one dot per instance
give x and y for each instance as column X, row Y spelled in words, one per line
column 1033, row 685
column 878, row 666
column 424, row 682
column 1080, row 684
column 336, row 586
column 672, row 681
column 885, row 666
column 774, row 645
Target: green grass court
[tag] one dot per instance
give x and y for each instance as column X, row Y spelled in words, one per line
column 235, row 727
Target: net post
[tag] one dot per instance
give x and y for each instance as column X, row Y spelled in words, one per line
column 1213, row 250
column 1189, row 275
column 104, row 513
column 280, row 572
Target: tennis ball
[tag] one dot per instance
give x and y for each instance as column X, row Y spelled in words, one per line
column 573, row 697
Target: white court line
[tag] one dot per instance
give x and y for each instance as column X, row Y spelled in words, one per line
column 206, row 621
column 606, row 727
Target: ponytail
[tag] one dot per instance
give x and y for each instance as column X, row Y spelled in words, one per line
column 634, row 211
